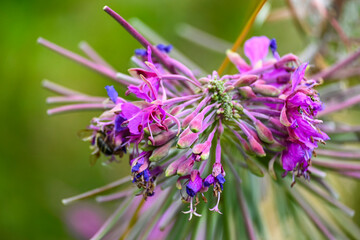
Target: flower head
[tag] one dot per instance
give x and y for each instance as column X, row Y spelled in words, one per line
column 183, row 127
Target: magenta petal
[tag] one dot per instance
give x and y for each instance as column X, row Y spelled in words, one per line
column 139, row 93
column 135, row 117
column 112, row 93
column 193, row 187
column 128, row 110
column 256, row 48
column 291, row 156
column 209, row 180
column 298, row 75
column 135, row 125
column 283, row 117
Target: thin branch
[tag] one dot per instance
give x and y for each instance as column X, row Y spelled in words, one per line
column 242, row 35
column 96, row 191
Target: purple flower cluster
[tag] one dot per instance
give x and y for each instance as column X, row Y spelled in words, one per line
column 301, row 106
column 268, row 108
column 186, row 129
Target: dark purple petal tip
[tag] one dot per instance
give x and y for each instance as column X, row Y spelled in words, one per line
column 140, row 52
column 118, row 121
column 164, row 48
column 220, row 178
column 209, row 180
column 298, row 75
column 273, row 45
column 112, row 93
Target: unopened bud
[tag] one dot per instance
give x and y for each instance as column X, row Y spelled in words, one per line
column 172, row 168
column 237, row 60
column 266, row 90
column 204, row 80
column 238, row 106
column 217, row 169
column 196, row 124
column 236, row 115
column 203, row 149
column 162, row 138
column 188, row 119
column 286, row 59
column 156, row 129
column 256, row 147
column 263, row 132
column 247, row 92
column 220, row 111
column 161, row 152
column 176, row 110
column 147, row 148
column 187, row 138
column 246, row 80
column 185, row 167
column 245, row 145
column 229, row 89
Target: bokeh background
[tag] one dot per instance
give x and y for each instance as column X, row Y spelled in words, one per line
column 41, row 158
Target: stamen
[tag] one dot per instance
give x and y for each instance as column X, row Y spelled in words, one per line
column 216, row 208
column 176, row 121
column 192, row 210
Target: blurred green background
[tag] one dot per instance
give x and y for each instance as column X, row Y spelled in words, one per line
column 41, row 158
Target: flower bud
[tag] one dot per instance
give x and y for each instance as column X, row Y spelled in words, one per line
column 263, row 132
column 238, row 106
column 161, row 152
column 202, row 149
column 266, row 90
column 196, row 124
column 172, row 168
column 286, row 59
column 162, row 138
column 229, row 89
column 245, row 145
column 218, row 169
column 187, row 138
column 176, row 110
column 237, row 60
column 204, row 80
column 185, row 167
column 247, row 92
column 155, row 129
column 146, row 147
column 188, row 119
column 256, row 147
column 246, row 80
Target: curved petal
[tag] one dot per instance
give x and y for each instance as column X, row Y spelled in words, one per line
column 298, row 75
column 256, row 49
column 291, row 156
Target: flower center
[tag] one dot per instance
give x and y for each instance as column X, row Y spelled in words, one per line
column 226, row 107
